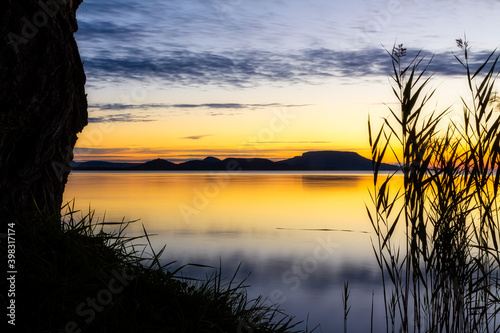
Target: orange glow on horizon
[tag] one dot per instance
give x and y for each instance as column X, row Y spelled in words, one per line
column 274, row 133
column 126, row 143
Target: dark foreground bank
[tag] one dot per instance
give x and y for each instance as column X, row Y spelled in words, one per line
column 75, row 277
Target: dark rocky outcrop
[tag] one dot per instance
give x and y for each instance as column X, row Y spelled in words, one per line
column 42, row 102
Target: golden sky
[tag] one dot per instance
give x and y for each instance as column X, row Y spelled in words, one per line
column 182, row 80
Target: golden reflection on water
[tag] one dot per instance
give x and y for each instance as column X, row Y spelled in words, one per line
column 269, row 222
column 275, row 210
column 203, row 201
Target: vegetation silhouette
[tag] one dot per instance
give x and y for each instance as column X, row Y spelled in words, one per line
column 442, row 275
column 83, row 275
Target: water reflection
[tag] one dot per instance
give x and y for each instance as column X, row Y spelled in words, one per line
column 331, row 181
column 300, row 235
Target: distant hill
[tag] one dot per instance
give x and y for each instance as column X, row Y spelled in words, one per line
column 317, row 160
column 332, row 160
column 157, row 164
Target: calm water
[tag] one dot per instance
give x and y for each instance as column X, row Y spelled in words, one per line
column 301, row 235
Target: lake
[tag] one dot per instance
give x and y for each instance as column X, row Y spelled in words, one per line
column 301, row 235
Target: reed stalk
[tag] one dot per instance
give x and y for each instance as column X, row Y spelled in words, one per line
column 443, row 276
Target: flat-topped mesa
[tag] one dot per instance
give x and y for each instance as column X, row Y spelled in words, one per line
column 333, row 160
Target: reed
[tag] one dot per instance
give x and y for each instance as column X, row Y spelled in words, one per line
column 345, row 302
column 443, row 275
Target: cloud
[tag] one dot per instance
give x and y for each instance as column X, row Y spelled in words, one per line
column 235, row 43
column 215, row 114
column 218, row 106
column 225, row 105
column 181, row 67
column 196, row 137
column 123, row 117
column 184, row 154
column 248, row 68
column 281, row 142
column 119, row 106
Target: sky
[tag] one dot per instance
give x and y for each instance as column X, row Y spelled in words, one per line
column 186, row 79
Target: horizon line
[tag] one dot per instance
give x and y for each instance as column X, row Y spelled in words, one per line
column 176, row 160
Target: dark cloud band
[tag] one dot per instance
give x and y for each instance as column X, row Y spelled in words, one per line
column 250, row 68
column 219, row 106
column 124, row 117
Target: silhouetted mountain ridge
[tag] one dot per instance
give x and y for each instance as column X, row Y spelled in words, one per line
column 158, row 164
column 308, row 161
column 330, row 160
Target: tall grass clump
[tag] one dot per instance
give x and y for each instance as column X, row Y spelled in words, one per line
column 442, row 274
column 85, row 275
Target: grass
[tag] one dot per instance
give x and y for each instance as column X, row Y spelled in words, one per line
column 76, row 277
column 443, row 276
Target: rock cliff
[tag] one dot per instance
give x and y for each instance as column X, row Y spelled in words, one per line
column 42, row 102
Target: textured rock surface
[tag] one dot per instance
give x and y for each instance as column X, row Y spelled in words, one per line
column 42, row 102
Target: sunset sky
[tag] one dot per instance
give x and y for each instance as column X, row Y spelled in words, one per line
column 184, row 79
